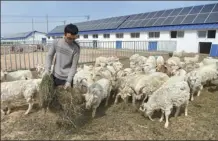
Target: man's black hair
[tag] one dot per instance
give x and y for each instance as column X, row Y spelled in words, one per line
column 71, row 28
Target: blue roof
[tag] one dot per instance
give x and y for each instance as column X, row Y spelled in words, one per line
column 20, row 36
column 157, row 28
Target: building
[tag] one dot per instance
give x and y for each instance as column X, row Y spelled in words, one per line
column 192, row 29
column 31, row 37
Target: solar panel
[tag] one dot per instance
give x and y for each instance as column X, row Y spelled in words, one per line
column 144, row 16
column 213, row 17
column 207, row 8
column 136, row 17
column 151, row 22
column 159, row 13
column 189, row 19
column 185, row 11
column 201, row 18
column 196, row 9
column 215, row 8
column 178, row 20
column 168, row 21
column 176, row 12
column 167, row 13
column 140, row 17
column 143, row 23
column 131, row 17
column 159, row 21
column 151, row 14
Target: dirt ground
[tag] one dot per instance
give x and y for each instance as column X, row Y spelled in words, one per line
column 117, row 122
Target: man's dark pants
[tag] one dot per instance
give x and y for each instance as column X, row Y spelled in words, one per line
column 59, row 82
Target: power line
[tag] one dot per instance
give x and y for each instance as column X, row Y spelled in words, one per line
column 28, row 16
column 34, row 22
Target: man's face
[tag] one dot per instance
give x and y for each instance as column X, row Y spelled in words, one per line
column 69, row 38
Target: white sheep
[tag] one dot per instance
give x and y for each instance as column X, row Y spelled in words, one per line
column 12, row 91
column 96, row 93
column 160, row 62
column 178, row 54
column 18, row 75
column 101, row 61
column 200, row 77
column 165, row 98
column 191, row 59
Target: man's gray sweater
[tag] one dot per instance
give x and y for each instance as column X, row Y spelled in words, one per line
column 67, row 56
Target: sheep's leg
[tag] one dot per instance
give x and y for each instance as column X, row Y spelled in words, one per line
column 3, row 112
column 162, row 116
column 167, row 113
column 192, row 96
column 133, row 100
column 106, row 103
column 9, row 108
column 186, row 108
column 150, row 118
column 30, row 102
column 143, row 101
column 94, row 112
column 199, row 91
column 116, row 99
column 177, row 111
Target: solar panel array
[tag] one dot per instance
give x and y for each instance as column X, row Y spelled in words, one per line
column 187, row 15
column 108, row 23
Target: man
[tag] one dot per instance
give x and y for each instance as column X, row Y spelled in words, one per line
column 66, row 60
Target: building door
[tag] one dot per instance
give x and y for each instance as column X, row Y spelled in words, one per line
column 43, row 40
column 204, row 47
column 118, row 44
column 214, row 50
column 94, row 43
column 152, row 46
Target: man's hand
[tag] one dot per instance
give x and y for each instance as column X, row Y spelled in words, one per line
column 67, row 85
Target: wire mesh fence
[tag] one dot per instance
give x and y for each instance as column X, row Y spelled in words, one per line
column 27, row 56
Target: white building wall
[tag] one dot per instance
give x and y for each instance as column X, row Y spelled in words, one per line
column 189, row 43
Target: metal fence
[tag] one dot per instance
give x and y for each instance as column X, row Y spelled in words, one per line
column 27, row 56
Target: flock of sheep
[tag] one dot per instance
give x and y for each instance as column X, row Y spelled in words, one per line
column 156, row 83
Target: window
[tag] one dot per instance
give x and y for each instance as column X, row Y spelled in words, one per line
column 106, row 35
column 85, row 36
column 177, row 34
column 154, row 34
column 78, row 36
column 95, row 35
column 202, row 34
column 135, row 35
column 211, row 34
column 207, row 34
column 48, row 37
column 180, row 34
column 119, row 35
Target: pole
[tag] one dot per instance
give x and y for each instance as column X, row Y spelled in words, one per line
column 47, row 22
column 33, row 30
column 64, row 22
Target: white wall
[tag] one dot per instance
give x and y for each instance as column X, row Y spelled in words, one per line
column 189, row 43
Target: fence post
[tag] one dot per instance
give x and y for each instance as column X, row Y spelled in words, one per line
column 5, row 58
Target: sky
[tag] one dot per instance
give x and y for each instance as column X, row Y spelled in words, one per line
column 78, row 10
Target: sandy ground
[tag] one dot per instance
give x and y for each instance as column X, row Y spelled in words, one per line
column 117, row 122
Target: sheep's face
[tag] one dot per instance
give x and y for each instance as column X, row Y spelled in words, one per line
column 118, row 66
column 91, row 98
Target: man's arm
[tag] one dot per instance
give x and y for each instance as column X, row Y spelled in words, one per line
column 50, row 56
column 74, row 66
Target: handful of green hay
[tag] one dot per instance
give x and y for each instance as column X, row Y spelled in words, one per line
column 46, row 91
column 68, row 104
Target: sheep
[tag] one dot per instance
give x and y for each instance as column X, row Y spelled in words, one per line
column 12, row 91
column 172, row 64
column 3, row 75
column 208, row 61
column 134, row 57
column 101, row 61
column 96, row 93
column 200, row 77
column 160, row 61
column 40, row 69
column 191, row 59
column 165, row 98
column 18, row 75
column 178, row 54
column 179, row 72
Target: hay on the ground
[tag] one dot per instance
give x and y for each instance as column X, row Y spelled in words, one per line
column 67, row 104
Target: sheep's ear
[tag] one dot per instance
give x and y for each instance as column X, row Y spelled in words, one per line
column 129, row 94
column 84, row 95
